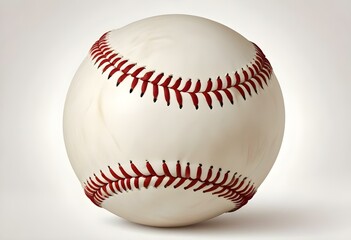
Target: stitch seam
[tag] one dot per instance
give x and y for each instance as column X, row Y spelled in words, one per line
column 237, row 189
column 244, row 81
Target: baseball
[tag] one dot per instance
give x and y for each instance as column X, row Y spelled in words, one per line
column 173, row 120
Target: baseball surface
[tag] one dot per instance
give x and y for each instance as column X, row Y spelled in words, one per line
column 173, row 120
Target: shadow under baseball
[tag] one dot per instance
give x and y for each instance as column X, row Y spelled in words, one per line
column 249, row 221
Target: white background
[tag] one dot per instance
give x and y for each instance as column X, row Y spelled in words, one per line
column 307, row 194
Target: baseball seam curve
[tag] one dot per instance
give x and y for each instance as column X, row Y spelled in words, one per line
column 243, row 81
column 237, row 189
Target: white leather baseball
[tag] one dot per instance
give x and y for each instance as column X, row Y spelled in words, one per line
column 173, row 120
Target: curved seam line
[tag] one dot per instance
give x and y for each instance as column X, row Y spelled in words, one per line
column 258, row 72
column 260, row 62
column 232, row 189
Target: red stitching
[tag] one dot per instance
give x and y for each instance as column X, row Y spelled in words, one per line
column 113, row 182
column 243, row 80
